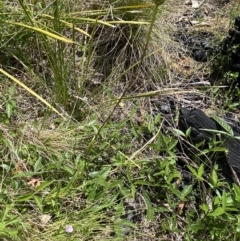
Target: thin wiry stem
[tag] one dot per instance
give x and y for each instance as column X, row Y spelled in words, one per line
column 133, row 78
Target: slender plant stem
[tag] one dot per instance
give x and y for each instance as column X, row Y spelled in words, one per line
column 135, row 76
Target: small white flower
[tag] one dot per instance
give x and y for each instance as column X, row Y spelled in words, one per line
column 69, row 229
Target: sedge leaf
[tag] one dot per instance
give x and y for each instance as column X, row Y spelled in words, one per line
column 217, row 212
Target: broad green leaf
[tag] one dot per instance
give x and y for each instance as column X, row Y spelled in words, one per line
column 5, row 167
column 223, row 124
column 38, row 202
column 68, row 169
column 38, row 165
column 12, row 221
column 178, row 132
column 193, row 171
column 172, row 175
column 9, row 231
column 216, row 132
column 214, row 178
column 175, row 191
column 172, row 144
column 8, row 208
column 224, row 200
column 150, row 209
column 157, row 118
column 188, row 132
column 219, row 149
column 232, row 210
column 186, row 191
column 196, row 227
column 236, row 190
column 214, row 149
column 9, row 108
column 133, row 191
column 216, row 200
column 92, row 194
column 134, row 132
column 200, row 172
column 217, row 212
column 43, row 185
column 204, row 207
column 25, row 198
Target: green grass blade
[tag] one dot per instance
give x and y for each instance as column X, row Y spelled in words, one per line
column 30, row 91
column 47, row 33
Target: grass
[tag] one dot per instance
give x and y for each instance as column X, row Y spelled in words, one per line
column 83, row 144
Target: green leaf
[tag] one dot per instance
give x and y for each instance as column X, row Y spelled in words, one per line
column 172, row 175
column 196, row 227
column 216, row 132
column 9, row 232
column 134, row 132
column 25, row 198
column 150, row 209
column 204, row 207
column 38, row 201
column 224, row 200
column 13, row 221
column 193, row 171
column 5, row 167
column 172, row 145
column 236, row 190
column 175, row 191
column 214, row 178
column 9, row 109
column 68, row 169
column 42, row 186
column 224, row 125
column 200, row 172
column 38, row 165
column 30, row 91
column 178, row 132
column 186, row 191
column 45, row 32
column 157, row 119
column 142, row 182
column 217, row 212
column 188, row 132
column 8, row 208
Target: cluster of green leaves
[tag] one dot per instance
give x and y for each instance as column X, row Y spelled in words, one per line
column 88, row 189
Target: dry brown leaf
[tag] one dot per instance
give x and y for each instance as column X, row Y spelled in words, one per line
column 194, row 22
column 180, row 207
column 34, row 182
column 195, row 4
column 44, row 219
column 20, row 167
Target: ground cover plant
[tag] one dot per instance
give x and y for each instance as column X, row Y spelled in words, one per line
column 89, row 142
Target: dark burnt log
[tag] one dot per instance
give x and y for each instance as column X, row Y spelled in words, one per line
column 198, row 120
